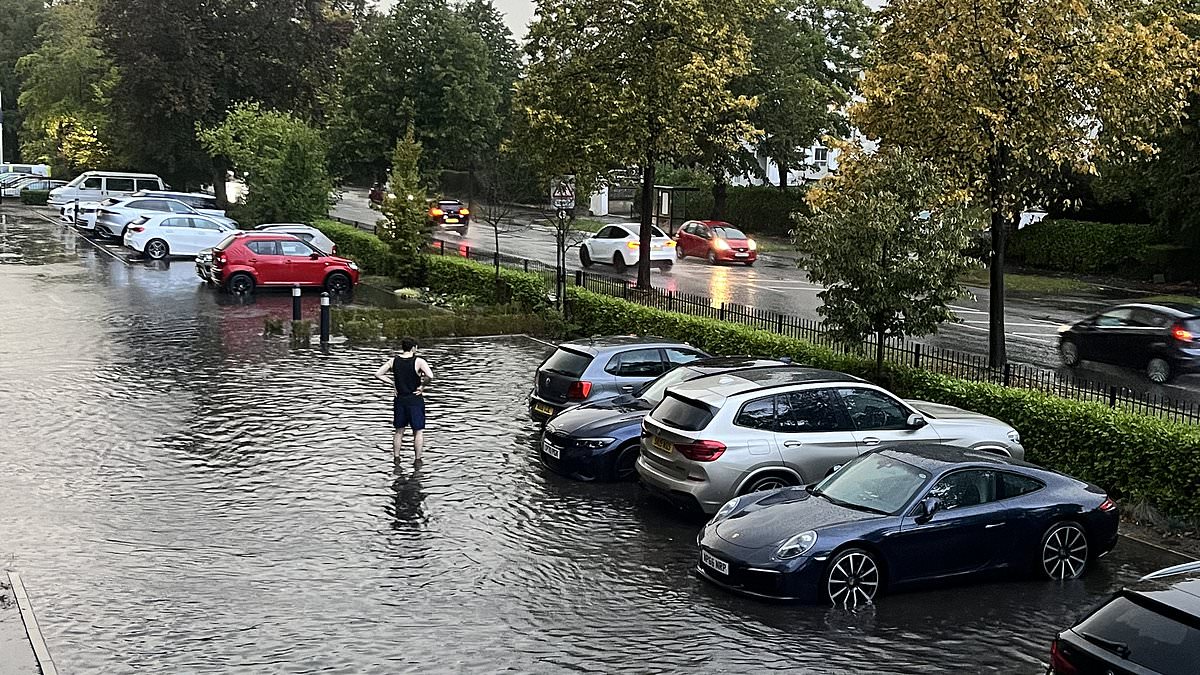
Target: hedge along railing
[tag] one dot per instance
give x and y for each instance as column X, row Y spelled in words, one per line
column 1129, row 454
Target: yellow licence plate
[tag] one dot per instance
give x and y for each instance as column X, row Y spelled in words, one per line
column 663, row 444
column 544, row 409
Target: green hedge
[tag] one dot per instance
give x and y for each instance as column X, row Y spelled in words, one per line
column 371, row 254
column 1082, row 247
column 35, row 197
column 755, row 209
column 373, row 325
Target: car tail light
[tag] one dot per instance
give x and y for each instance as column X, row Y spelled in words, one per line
column 136, row 228
column 464, row 212
column 1108, row 505
column 670, row 243
column 435, row 212
column 701, row 451
column 633, row 244
column 1182, row 334
column 1058, row 661
column 579, row 390
column 219, row 260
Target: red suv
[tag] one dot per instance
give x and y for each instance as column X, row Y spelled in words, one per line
column 246, row 260
column 716, row 241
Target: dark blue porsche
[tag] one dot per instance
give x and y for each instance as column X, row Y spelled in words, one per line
column 903, row 515
column 599, row 441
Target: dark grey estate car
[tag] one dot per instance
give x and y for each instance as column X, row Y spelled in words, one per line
column 600, row 368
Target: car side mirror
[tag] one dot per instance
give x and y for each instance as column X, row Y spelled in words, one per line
column 915, row 421
column 314, row 255
column 927, row 507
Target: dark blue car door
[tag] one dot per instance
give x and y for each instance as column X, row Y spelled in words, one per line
column 967, row 534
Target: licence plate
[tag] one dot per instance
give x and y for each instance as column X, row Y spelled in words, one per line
column 662, row 444
column 711, row 561
column 741, row 255
column 552, row 450
column 544, row 409
column 452, row 220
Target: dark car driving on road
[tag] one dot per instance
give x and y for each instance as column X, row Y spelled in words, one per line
column 450, row 214
column 602, row 368
column 905, row 515
column 599, row 441
column 1162, row 339
column 1152, row 626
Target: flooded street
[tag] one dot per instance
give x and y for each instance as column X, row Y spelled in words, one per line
column 182, row 495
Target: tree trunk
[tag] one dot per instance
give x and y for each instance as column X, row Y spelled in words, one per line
column 879, row 335
column 720, row 193
column 471, row 189
column 219, row 173
column 496, row 231
column 648, row 176
column 997, row 355
column 782, row 165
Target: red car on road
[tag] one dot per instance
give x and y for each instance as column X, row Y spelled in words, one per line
column 715, row 240
column 247, row 260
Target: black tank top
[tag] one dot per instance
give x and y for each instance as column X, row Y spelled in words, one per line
column 404, row 372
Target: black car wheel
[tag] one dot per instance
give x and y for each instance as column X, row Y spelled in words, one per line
column 764, row 483
column 338, row 283
column 585, row 257
column 712, row 257
column 619, row 262
column 679, row 252
column 625, row 466
column 157, row 249
column 853, row 579
column 666, row 265
column 1158, row 370
column 749, row 263
column 1069, row 351
column 241, row 283
column 1064, row 551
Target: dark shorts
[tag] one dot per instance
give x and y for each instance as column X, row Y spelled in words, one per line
column 408, row 414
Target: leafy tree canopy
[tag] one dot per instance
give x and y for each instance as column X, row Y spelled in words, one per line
column 18, row 37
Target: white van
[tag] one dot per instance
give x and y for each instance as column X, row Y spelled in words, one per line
column 95, row 186
column 33, row 169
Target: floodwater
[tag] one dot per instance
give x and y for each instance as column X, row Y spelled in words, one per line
column 182, row 495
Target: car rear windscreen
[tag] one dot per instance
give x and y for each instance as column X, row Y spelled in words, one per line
column 682, row 413
column 1144, row 635
column 567, row 362
column 225, row 242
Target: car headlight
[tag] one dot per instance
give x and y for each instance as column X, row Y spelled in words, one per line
column 593, row 443
column 753, row 245
column 1014, row 436
column 727, row 508
column 1065, row 327
column 353, row 266
column 720, row 244
column 797, row 545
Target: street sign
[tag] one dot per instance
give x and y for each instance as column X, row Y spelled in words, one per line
column 562, row 193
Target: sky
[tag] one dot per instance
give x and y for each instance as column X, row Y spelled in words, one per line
column 517, row 13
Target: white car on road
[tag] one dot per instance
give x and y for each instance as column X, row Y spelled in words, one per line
column 620, row 245
column 165, row 234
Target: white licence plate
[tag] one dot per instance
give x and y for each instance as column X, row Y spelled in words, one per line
column 551, row 450
column 741, row 255
column 663, row 445
column 711, row 561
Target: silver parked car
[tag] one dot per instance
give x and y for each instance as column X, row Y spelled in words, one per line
column 308, row 233
column 716, row 437
column 115, row 213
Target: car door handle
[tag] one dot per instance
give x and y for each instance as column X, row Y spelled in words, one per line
column 792, row 444
column 253, row 260
column 988, row 527
column 870, row 440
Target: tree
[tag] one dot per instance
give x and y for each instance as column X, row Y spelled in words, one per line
column 887, row 237
column 66, row 92
column 19, row 36
column 500, row 178
column 612, row 82
column 282, row 158
column 1008, row 94
column 807, row 60
column 405, row 226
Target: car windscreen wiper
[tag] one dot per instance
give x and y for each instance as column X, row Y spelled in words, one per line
column 850, row 505
column 1119, row 648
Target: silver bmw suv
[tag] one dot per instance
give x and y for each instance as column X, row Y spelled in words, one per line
column 716, row 437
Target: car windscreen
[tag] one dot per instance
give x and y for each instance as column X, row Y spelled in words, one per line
column 567, row 362
column 1136, row 630
column 655, row 232
column 683, row 413
column 729, row 233
column 873, row 482
column 654, row 390
column 225, row 242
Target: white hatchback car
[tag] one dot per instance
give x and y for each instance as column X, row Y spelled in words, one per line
column 620, row 245
column 164, row 234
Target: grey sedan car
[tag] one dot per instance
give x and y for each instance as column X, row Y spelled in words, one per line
column 115, row 213
column 600, row 368
column 717, row 437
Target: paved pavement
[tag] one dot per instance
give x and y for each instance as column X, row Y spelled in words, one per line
column 777, row 283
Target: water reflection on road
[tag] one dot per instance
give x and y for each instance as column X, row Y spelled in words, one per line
column 182, row 495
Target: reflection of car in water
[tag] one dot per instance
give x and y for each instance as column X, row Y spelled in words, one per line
column 906, row 515
column 450, row 214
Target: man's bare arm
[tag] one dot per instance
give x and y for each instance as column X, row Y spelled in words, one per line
column 381, row 374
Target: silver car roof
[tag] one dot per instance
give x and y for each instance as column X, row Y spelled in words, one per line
column 714, row 389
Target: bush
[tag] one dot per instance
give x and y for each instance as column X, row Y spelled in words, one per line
column 372, row 255
column 35, row 197
column 374, row 324
column 1175, row 263
column 1082, row 247
column 755, row 209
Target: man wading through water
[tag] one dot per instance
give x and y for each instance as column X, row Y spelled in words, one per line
column 410, row 375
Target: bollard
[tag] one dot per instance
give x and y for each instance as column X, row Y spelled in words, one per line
column 295, row 302
column 324, row 318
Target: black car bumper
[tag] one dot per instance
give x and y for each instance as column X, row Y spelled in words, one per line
column 799, row 585
column 541, row 410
